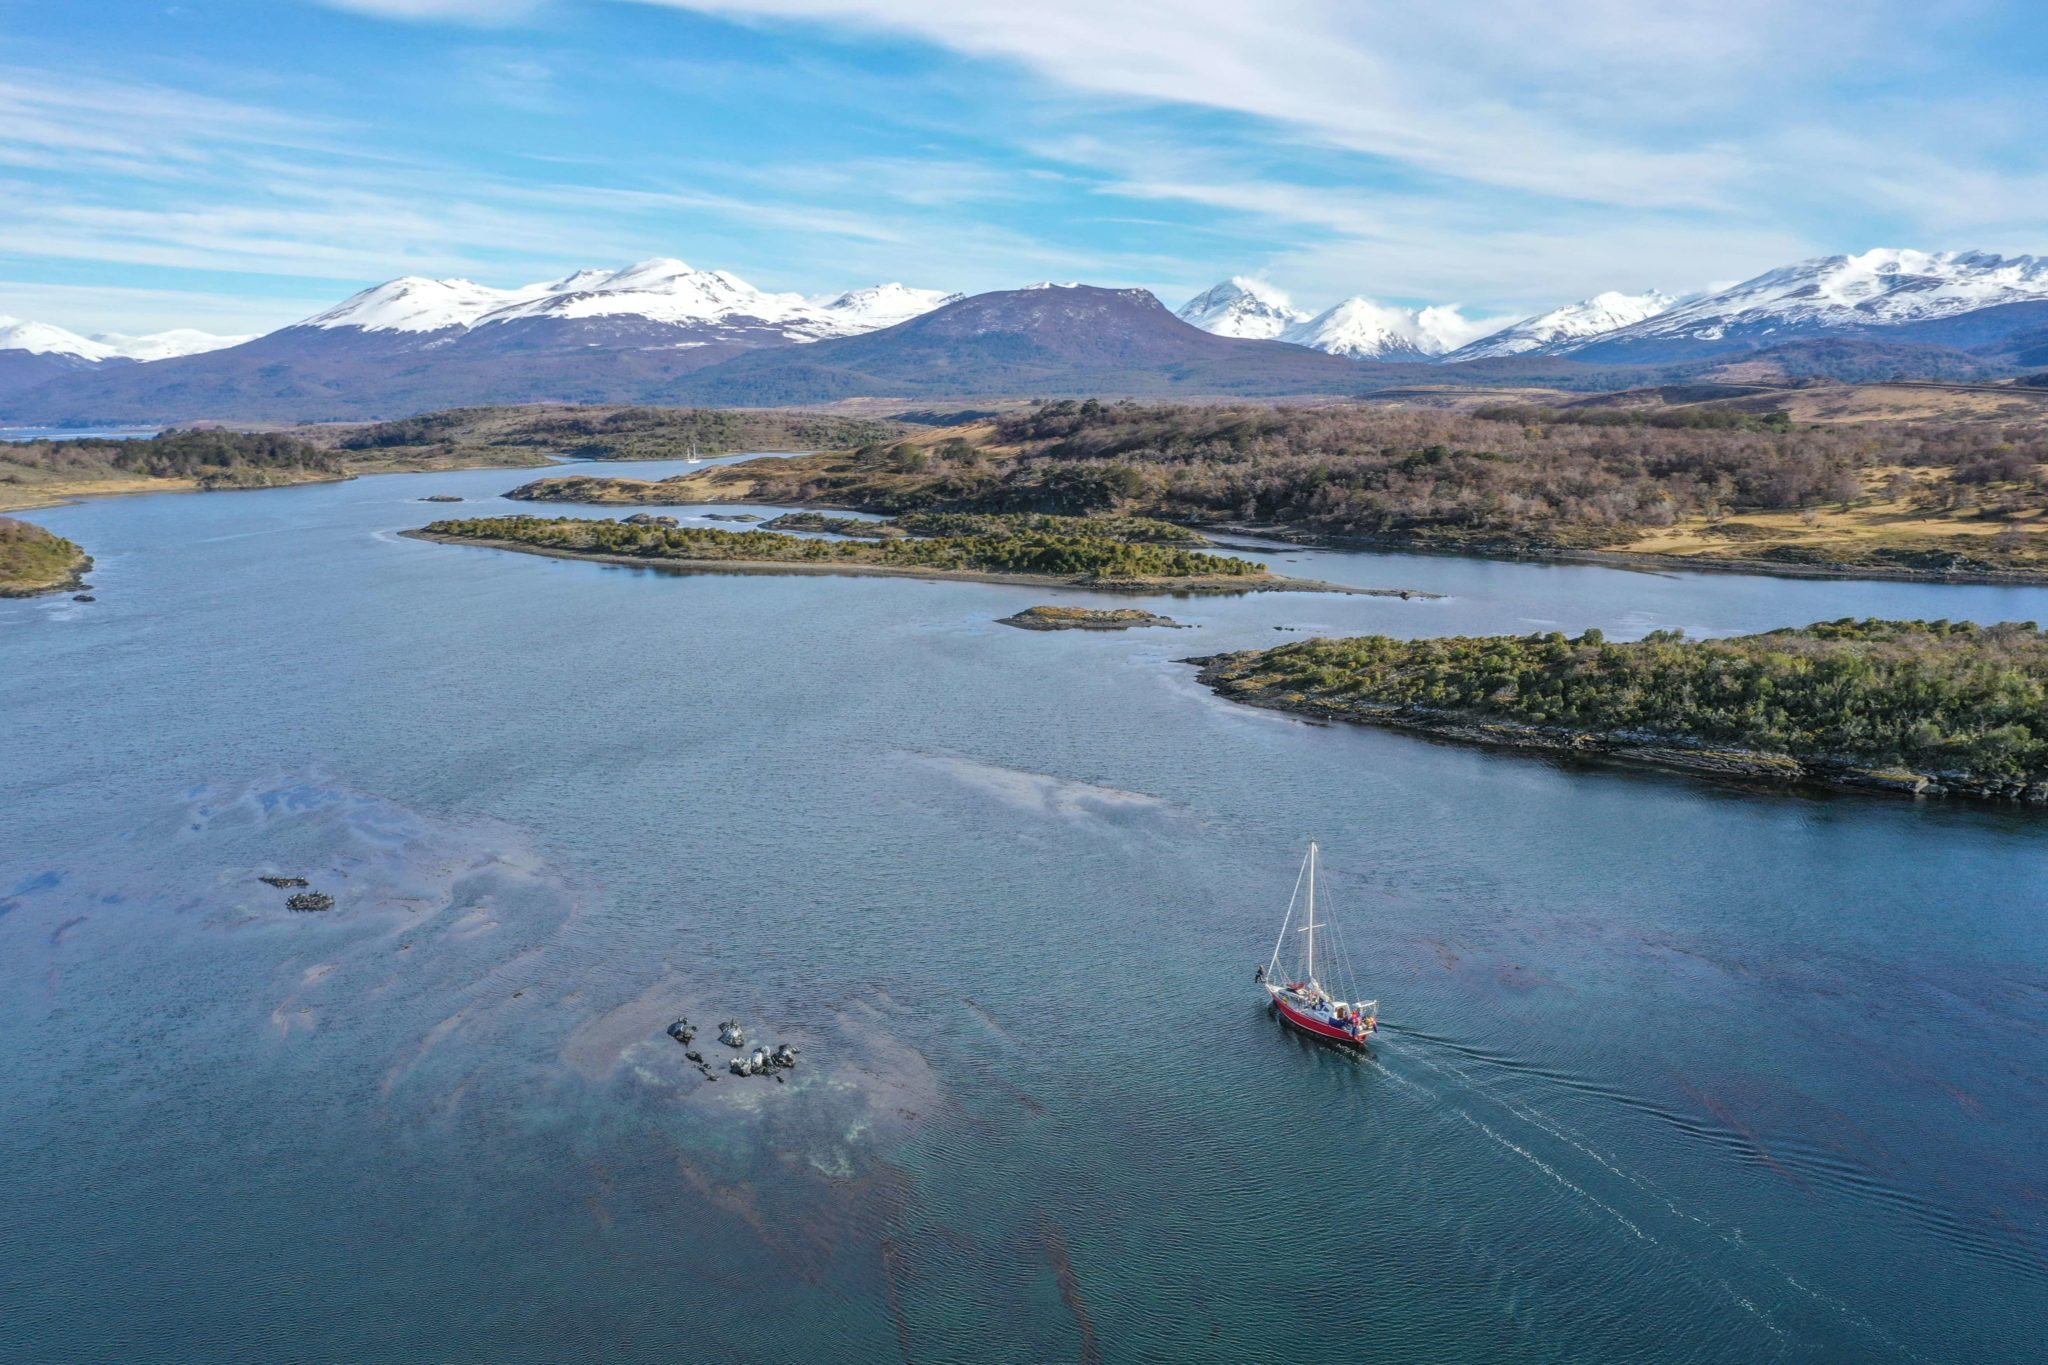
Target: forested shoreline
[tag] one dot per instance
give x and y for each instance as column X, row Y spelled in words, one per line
column 1919, row 706
column 1897, row 498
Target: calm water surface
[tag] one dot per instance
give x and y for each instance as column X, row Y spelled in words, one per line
column 19, row 434
column 1669, row 1070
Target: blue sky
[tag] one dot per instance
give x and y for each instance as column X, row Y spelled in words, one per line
column 237, row 164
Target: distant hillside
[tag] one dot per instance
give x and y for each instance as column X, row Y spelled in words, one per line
column 35, row 474
column 1056, row 339
column 306, row 374
column 514, row 436
column 661, row 333
column 1736, row 483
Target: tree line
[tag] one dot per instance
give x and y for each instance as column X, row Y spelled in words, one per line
column 1036, row 552
column 1935, row 696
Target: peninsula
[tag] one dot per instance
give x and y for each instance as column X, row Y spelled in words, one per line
column 1914, row 707
column 35, row 561
column 1040, row 558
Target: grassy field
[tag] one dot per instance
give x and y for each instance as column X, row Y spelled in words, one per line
column 1902, row 517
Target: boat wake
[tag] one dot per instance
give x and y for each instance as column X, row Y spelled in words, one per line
column 1475, row 1088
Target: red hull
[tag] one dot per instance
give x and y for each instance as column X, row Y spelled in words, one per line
column 1316, row 1026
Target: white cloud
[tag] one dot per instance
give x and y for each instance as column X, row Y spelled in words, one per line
column 1605, row 142
column 1576, row 99
column 1507, row 154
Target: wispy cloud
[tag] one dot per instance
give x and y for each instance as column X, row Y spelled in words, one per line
column 1492, row 152
column 1569, row 128
column 1574, row 99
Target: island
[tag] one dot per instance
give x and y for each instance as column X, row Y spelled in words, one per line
column 1087, row 618
column 1927, row 708
column 1030, row 558
column 35, row 561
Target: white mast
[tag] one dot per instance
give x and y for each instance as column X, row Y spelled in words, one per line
column 1311, row 912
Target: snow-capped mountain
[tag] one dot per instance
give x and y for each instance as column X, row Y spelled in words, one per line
column 1561, row 328
column 668, row 293
column 1242, row 307
column 1357, row 328
column 412, row 344
column 662, row 331
column 41, row 338
column 1907, row 294
column 881, row 305
column 1365, row 330
column 413, row 303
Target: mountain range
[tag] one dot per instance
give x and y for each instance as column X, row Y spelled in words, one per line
column 1357, row 327
column 660, row 331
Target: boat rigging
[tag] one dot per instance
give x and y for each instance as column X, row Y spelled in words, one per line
column 1297, row 994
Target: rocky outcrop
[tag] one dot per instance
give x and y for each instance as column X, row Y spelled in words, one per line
column 837, row 526
column 1087, row 618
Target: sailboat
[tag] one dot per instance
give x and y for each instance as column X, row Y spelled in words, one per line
column 1298, row 993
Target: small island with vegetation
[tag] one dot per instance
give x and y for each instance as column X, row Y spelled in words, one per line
column 1097, row 562
column 1915, row 707
column 35, row 561
column 1087, row 618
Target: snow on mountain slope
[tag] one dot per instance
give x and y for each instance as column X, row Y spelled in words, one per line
column 1884, row 287
column 880, row 305
column 41, row 338
column 1242, row 307
column 1556, row 330
column 1364, row 330
column 659, row 290
column 662, row 291
column 163, row 345
column 413, row 303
